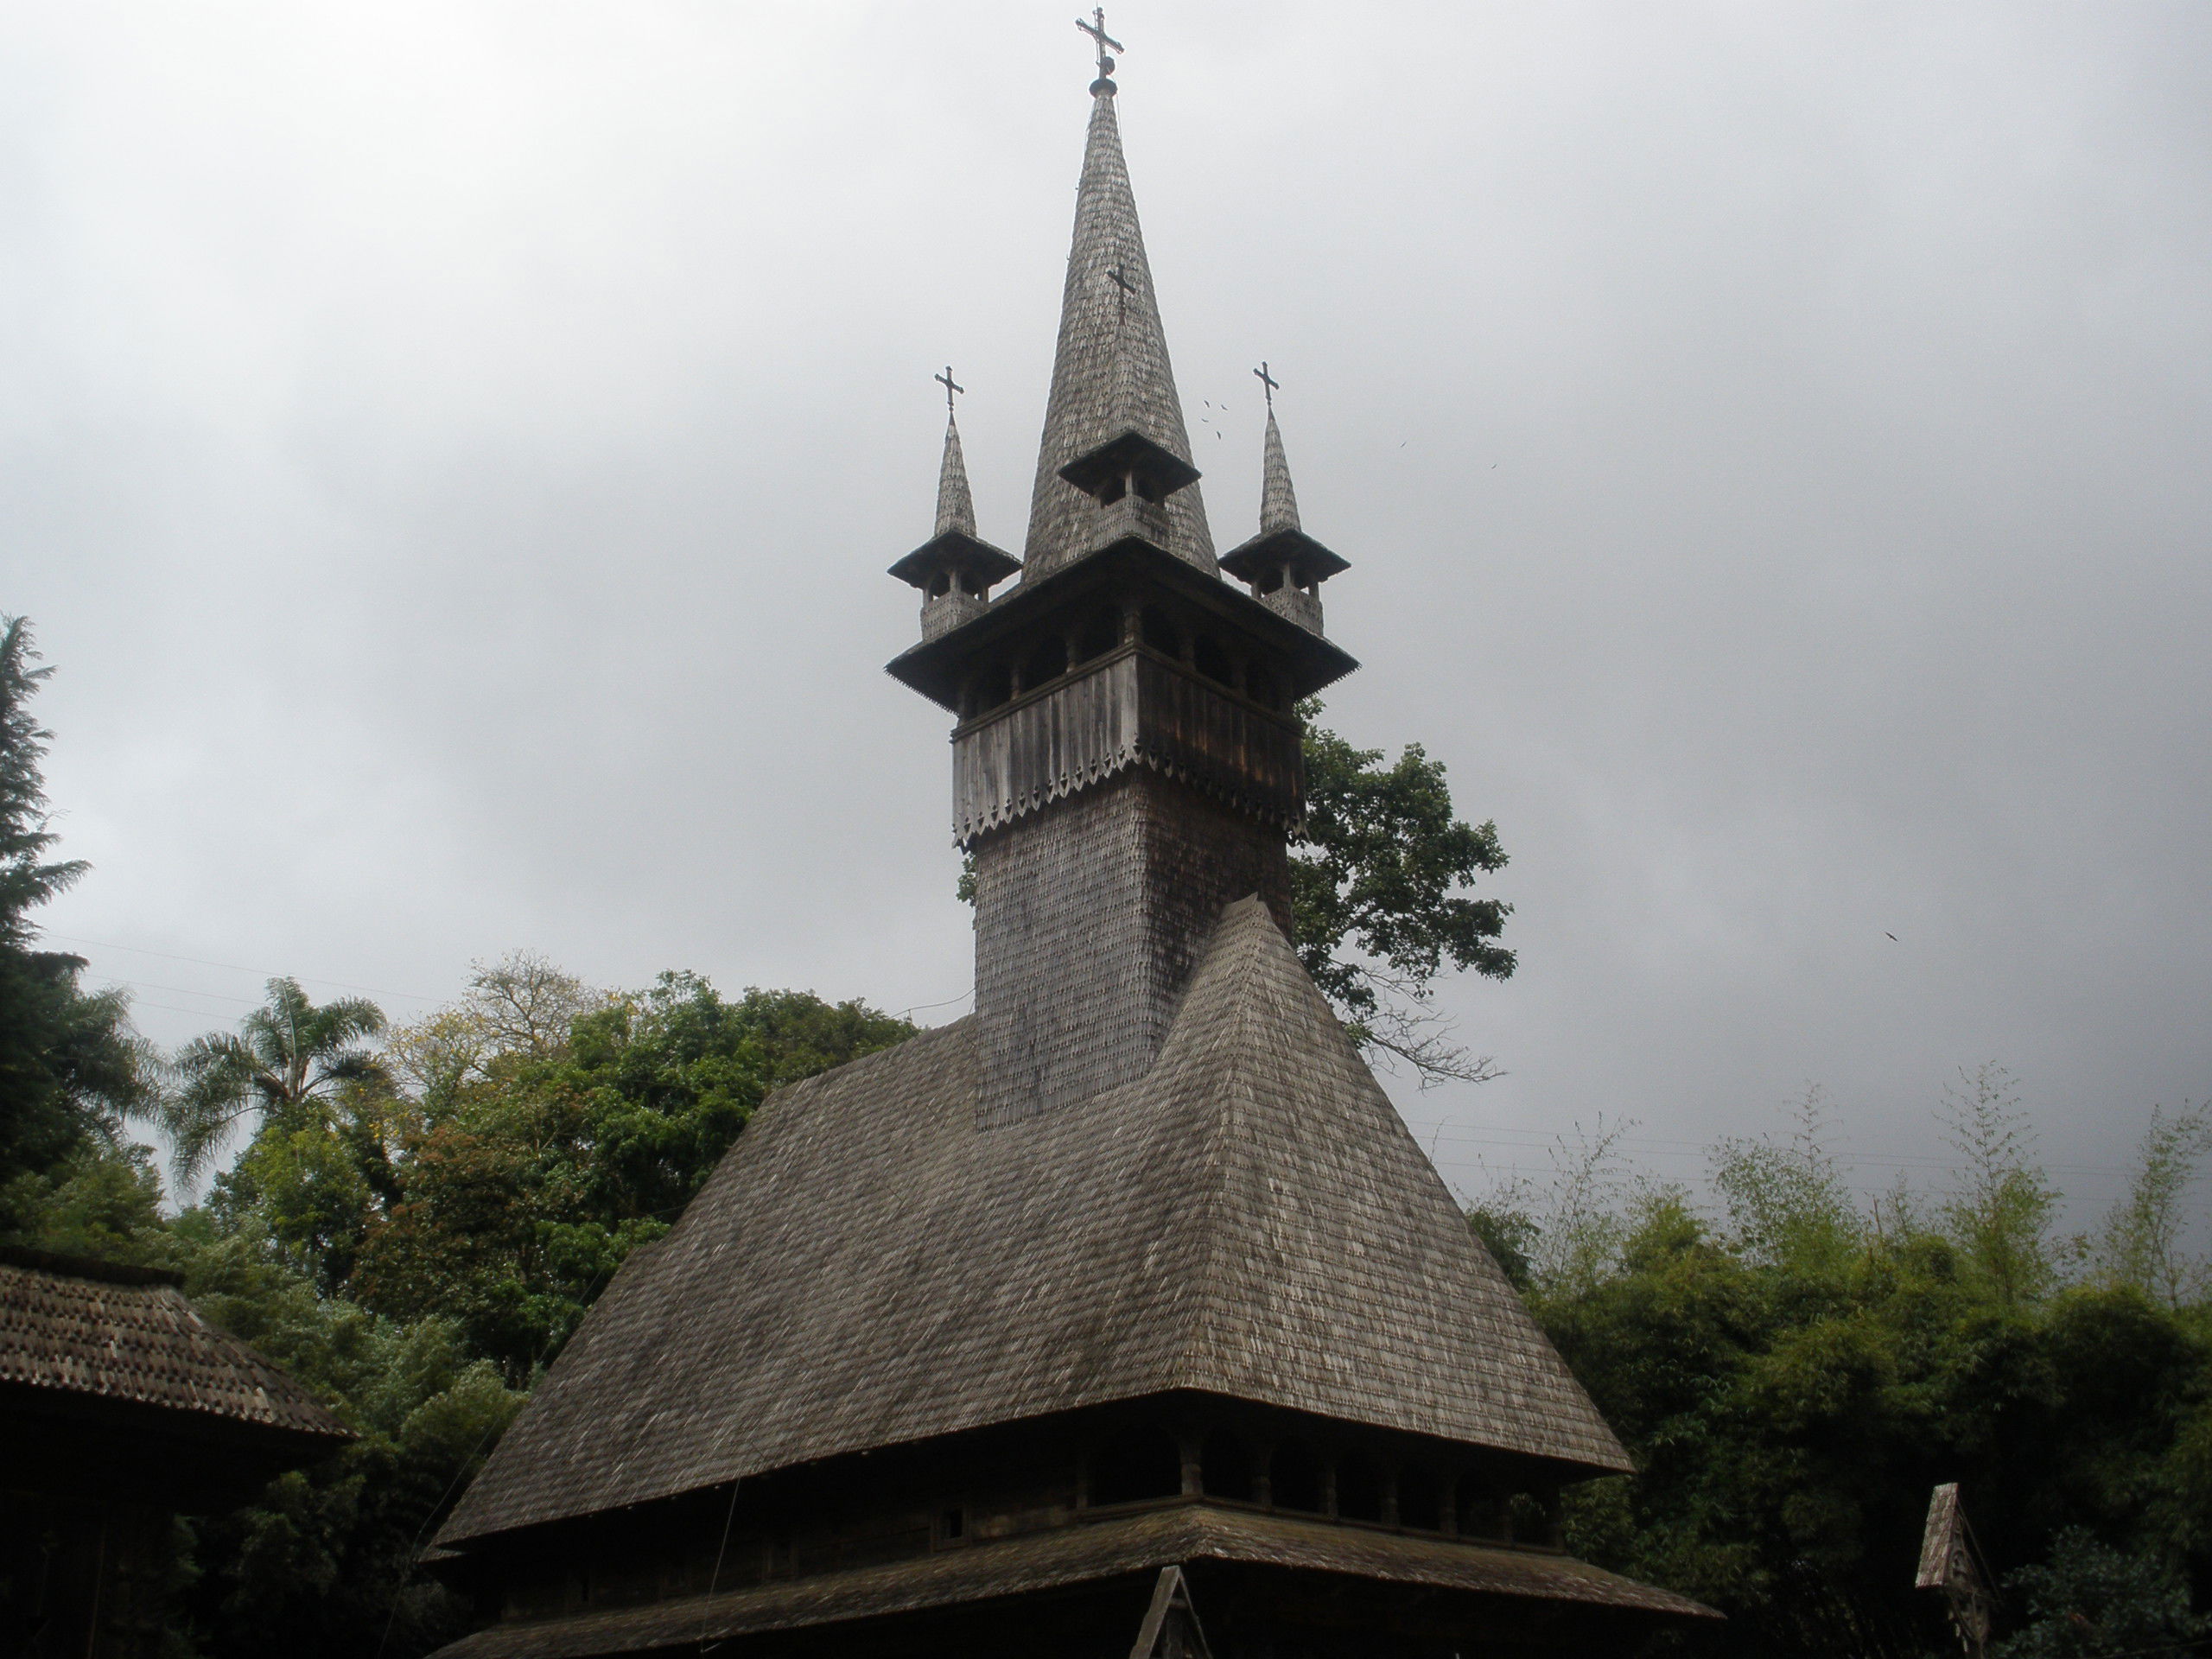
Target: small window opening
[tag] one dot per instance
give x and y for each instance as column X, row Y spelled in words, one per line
column 1359, row 1489
column 1160, row 633
column 1420, row 1503
column 1294, row 1476
column 1100, row 635
column 1136, row 1464
column 995, row 687
column 953, row 1523
column 1271, row 579
column 1484, row 1514
column 1262, row 686
column 1047, row 662
column 940, row 584
column 1210, row 660
column 1226, row 1467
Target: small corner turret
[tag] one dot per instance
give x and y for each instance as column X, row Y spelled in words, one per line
column 1283, row 566
column 955, row 569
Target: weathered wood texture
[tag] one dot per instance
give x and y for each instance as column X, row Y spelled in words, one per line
column 869, row 1266
column 1134, row 708
column 1088, row 922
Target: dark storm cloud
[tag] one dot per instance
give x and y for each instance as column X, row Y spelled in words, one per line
column 452, row 454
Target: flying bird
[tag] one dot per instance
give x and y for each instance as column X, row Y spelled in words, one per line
column 1891, row 937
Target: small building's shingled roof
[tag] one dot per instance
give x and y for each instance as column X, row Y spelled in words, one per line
column 869, row 1267
column 1075, row 1555
column 73, row 1330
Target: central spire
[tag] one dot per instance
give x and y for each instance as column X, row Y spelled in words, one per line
column 1111, row 373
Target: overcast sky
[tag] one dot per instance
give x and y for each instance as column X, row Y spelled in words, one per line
column 452, row 451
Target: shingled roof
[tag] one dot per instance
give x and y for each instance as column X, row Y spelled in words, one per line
column 1110, row 372
column 1106, row 1549
column 869, row 1267
column 73, row 1330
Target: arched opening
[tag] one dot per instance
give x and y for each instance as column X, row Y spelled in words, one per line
column 1271, row 579
column 1210, row 660
column 1100, row 635
column 1359, row 1489
column 1420, row 1501
column 1294, row 1476
column 1048, row 661
column 1135, row 1465
column 1226, row 1467
column 1160, row 633
column 940, row 584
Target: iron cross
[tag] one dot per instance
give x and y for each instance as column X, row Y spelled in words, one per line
column 1269, row 382
column 1121, row 281
column 1097, row 30
column 950, row 386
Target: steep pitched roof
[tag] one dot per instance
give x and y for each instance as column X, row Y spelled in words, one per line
column 73, row 1330
column 869, row 1266
column 1110, row 373
column 956, row 505
column 1278, row 501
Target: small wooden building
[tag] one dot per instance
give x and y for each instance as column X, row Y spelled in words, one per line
column 121, row 1408
column 1123, row 1316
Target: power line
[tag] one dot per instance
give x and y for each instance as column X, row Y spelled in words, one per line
column 240, row 968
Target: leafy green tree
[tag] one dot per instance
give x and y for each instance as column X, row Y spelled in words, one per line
column 2140, row 1243
column 72, row 1070
column 2002, row 1213
column 284, row 1064
column 538, row 1165
column 324, row 1561
column 1381, row 896
column 1793, row 1371
column 2091, row 1601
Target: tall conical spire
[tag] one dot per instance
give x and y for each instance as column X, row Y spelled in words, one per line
column 956, row 508
column 1278, row 501
column 1111, row 373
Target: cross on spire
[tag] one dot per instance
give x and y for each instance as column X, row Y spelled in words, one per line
column 950, row 386
column 1123, row 288
column 1107, row 45
column 1269, row 382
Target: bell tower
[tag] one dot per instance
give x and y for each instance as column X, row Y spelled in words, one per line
column 1127, row 760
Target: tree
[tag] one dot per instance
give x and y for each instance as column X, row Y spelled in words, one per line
column 284, row 1059
column 2090, row 1601
column 520, row 1007
column 534, row 1169
column 2140, row 1243
column 1381, row 878
column 1792, row 1370
column 72, row 1070
column 2001, row 1212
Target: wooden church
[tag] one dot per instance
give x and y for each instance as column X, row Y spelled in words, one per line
column 1122, row 1317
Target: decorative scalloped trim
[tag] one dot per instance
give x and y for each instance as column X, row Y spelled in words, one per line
column 1199, row 777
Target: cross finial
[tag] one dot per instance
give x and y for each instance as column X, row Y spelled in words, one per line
column 1123, row 288
column 950, row 386
column 1269, row 382
column 1107, row 45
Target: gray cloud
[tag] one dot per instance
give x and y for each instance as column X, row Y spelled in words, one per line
column 452, row 452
